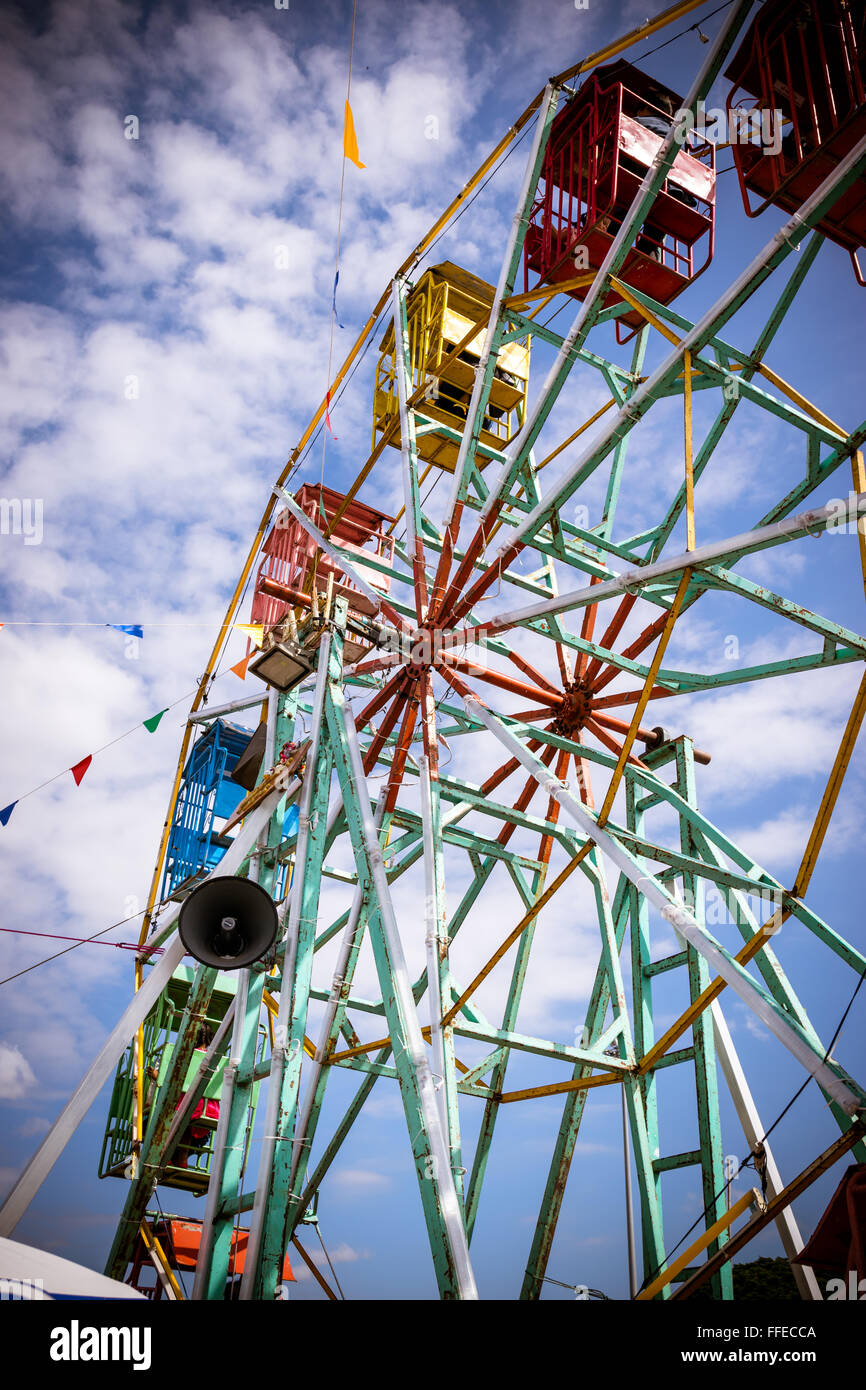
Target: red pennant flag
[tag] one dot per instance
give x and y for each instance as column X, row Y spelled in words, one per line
column 79, row 769
column 240, row 667
column 328, row 415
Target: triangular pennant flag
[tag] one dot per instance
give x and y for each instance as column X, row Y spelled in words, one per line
column 133, row 629
column 254, row 631
column 350, row 140
column 328, row 416
column 334, row 302
column 79, row 769
column 7, row 812
column 240, row 667
column 291, row 820
column 152, row 723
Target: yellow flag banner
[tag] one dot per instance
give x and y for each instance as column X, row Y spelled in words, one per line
column 254, row 631
column 350, row 139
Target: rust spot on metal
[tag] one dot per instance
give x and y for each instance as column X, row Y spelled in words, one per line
column 574, row 711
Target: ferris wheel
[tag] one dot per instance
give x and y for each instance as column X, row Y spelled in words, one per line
column 477, row 694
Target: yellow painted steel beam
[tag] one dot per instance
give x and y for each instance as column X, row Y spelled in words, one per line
column 689, row 457
column 831, row 793
column 578, row 282
column 378, row 1043
column 773, row 1208
column 651, row 318
column 799, row 400
column 152, row 1245
column 557, row 1088
column 313, row 1270
column 748, row 1199
column 643, row 31
column 577, row 433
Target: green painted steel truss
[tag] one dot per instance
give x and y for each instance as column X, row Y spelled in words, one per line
column 528, row 641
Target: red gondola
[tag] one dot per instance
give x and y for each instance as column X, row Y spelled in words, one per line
column 601, row 145
column 804, row 59
column 289, row 552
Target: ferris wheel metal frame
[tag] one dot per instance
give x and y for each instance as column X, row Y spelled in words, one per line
column 428, row 674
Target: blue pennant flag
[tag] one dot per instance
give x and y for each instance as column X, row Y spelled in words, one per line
column 334, row 301
column 133, row 629
column 291, row 821
column 7, row 812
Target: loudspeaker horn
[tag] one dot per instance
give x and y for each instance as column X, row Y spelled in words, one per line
column 228, row 922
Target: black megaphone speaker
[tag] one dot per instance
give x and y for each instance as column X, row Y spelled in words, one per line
column 228, row 922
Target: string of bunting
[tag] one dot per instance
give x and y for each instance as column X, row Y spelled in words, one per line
column 252, row 630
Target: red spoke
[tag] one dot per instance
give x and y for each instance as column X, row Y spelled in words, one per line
column 543, row 712
column 584, row 777
column 637, row 646
column 383, row 732
column 530, row 787
column 610, row 634
column 564, row 668
column 631, row 697
column 620, row 726
column 482, row 583
column 611, row 744
column 504, row 772
column 587, row 628
column 553, row 808
column 380, row 699
column 528, row 670
column 498, row 678
column 401, row 751
column 440, row 580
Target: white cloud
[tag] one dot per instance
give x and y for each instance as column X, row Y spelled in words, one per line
column 16, row 1073
column 361, row 1178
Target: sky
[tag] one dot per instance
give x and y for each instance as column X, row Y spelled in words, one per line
column 165, row 335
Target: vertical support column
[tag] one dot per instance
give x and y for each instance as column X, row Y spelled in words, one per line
column 439, row 1198
column 268, row 1225
column 438, row 974
column 408, row 449
column 237, row 1098
column 505, row 287
column 706, row 1083
column 215, row 1247
column 619, row 453
column 569, row 1128
column 644, row 1037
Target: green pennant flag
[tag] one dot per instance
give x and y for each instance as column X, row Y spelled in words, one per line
column 152, row 723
